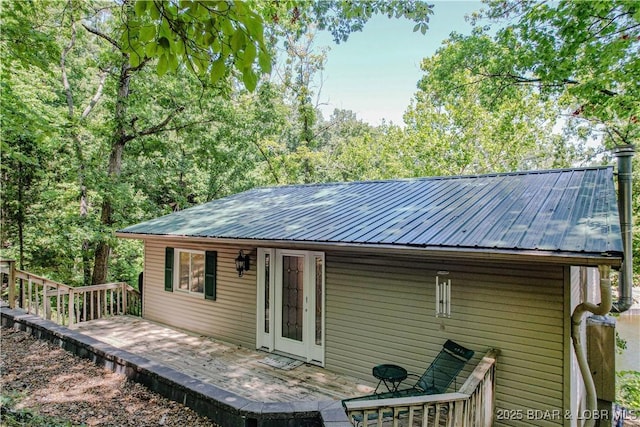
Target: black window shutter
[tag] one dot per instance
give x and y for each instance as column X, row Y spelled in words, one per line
column 211, row 261
column 168, row 269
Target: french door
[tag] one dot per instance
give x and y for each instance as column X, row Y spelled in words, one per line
column 291, row 303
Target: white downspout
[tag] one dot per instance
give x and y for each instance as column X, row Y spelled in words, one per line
column 578, row 346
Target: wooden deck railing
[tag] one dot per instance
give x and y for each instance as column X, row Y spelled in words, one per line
column 471, row 406
column 65, row 304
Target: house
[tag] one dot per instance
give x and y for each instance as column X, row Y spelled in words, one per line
column 345, row 275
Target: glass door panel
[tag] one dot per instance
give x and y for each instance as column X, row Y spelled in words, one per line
column 292, row 297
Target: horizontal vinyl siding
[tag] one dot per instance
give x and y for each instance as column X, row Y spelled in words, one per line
column 231, row 317
column 382, row 310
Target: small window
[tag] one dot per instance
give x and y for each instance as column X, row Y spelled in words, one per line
column 190, row 271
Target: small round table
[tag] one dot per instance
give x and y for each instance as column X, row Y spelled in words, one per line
column 390, row 375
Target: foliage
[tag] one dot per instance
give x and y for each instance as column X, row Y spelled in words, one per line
column 621, row 344
column 25, row 46
column 628, row 389
column 98, row 132
column 457, row 125
column 214, row 39
column 584, row 53
column 12, row 417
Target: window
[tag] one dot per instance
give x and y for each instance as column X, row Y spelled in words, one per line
column 191, row 271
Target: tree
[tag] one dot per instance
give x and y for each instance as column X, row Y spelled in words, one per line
column 25, row 48
column 214, row 39
column 457, row 125
column 585, row 54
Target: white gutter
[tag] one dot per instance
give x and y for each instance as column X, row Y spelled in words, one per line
column 578, row 346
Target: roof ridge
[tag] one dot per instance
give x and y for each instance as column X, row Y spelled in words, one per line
column 436, row 178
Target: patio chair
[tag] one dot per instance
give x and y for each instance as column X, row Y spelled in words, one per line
column 435, row 380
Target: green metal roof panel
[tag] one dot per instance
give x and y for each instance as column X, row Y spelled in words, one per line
column 568, row 210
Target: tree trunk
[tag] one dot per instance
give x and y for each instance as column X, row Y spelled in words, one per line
column 101, row 260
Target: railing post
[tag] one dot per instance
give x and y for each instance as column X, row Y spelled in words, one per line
column 46, row 300
column 125, row 296
column 12, row 282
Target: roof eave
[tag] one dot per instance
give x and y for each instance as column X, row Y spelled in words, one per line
column 613, row 259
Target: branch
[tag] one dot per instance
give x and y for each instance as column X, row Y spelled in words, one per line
column 63, row 60
column 139, row 66
column 266, row 158
column 102, row 35
column 96, row 96
column 151, row 130
column 526, row 80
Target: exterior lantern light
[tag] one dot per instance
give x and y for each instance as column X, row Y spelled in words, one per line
column 243, row 262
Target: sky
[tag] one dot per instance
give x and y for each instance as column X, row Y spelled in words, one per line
column 376, row 71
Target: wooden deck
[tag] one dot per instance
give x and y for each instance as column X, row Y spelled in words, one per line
column 228, row 366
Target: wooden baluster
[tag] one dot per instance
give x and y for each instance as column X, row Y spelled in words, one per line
column 30, row 287
column 99, row 307
column 46, row 301
column 35, row 285
column 58, row 306
column 84, row 306
column 23, row 303
column 78, row 311
column 71, row 307
column 425, row 415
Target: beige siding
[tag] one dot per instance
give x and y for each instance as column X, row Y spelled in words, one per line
column 382, row 310
column 231, row 317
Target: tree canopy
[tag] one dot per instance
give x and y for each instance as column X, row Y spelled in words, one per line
column 586, row 54
column 117, row 112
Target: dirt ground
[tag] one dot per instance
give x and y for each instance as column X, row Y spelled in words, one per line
column 47, row 380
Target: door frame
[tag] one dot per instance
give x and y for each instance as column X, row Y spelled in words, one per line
column 269, row 267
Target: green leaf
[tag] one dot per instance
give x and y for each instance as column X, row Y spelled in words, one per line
column 218, row 69
column 147, row 32
column 265, row 61
column 250, row 79
column 249, row 55
column 173, row 62
column 140, row 7
column 164, row 43
column 255, row 27
column 134, row 59
column 150, row 49
column 238, row 41
column 163, row 65
column 155, row 12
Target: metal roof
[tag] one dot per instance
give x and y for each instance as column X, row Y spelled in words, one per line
column 568, row 210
